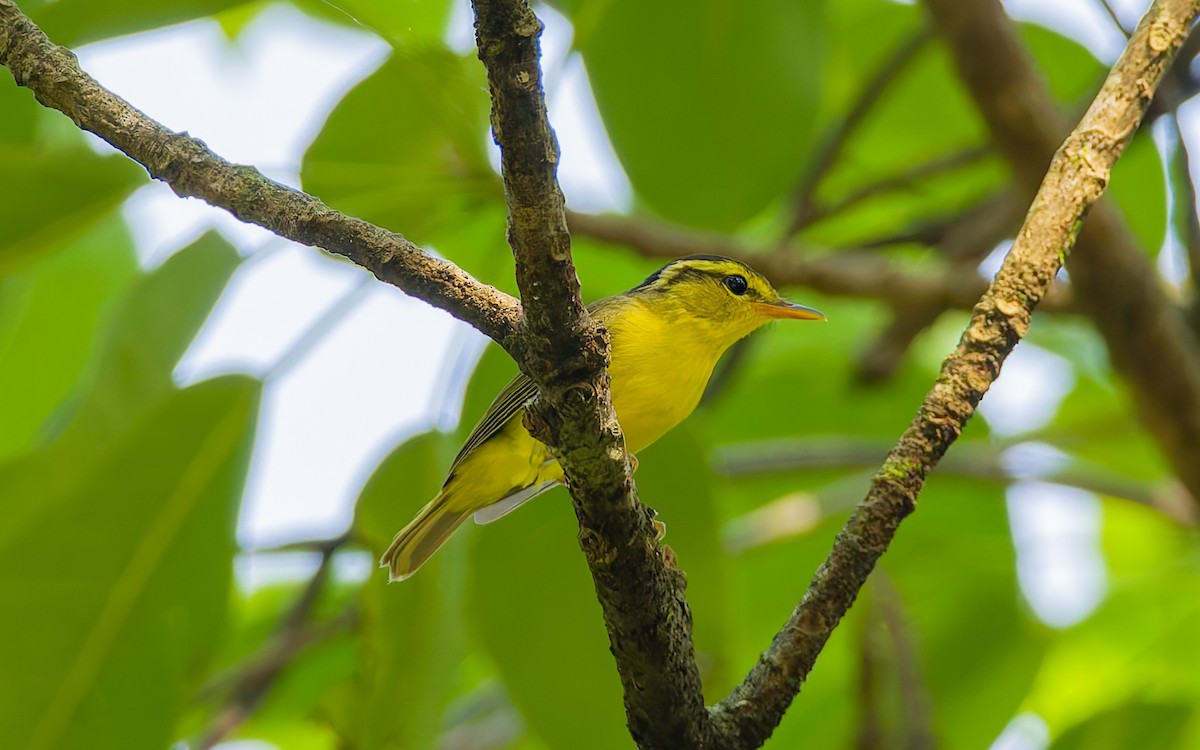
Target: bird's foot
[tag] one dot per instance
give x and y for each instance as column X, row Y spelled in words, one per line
column 660, row 528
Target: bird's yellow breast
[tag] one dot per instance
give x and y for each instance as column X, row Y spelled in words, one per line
column 658, row 372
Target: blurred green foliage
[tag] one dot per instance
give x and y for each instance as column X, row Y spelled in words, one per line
column 120, row 490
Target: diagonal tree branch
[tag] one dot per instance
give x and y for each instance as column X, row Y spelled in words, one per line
column 1077, row 177
column 1116, row 285
column 192, row 170
column 562, row 349
column 640, row 591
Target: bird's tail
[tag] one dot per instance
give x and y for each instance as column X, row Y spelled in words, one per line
column 423, row 536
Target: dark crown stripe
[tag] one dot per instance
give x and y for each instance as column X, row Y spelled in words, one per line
column 679, row 270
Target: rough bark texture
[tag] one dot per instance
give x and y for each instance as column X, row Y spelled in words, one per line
column 192, row 170
column 1077, row 176
column 640, row 591
column 1148, row 340
column 561, row 348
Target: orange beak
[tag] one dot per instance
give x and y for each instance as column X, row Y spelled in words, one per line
column 785, row 309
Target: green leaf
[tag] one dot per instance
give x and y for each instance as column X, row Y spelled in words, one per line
column 297, row 695
column 1139, row 187
column 293, row 734
column 118, row 585
column 74, row 22
column 1136, row 724
column 51, row 196
column 50, row 315
column 798, row 379
column 954, row 568
column 534, row 610
column 1071, row 71
column 491, row 374
column 1093, row 423
column 20, row 113
column 153, row 326
column 709, row 105
column 768, row 582
column 412, row 634
column 405, row 148
column 1129, row 649
column 401, row 22
column 891, row 140
column 403, row 482
column 287, row 714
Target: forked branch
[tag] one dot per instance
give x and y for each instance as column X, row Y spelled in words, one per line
column 556, row 343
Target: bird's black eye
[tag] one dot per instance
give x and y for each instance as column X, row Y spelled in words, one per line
column 736, row 284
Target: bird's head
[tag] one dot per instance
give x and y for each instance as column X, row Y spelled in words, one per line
column 724, row 296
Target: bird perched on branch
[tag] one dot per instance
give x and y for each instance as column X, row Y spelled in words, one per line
column 666, row 335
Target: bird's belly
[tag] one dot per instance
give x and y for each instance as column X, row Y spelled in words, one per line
column 652, row 400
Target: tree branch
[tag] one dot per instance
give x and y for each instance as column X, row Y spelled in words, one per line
column 556, row 343
column 964, row 243
column 843, row 274
column 902, row 180
column 1148, row 341
column 1185, row 203
column 975, row 462
column 246, row 684
column 564, row 351
column 192, row 170
column 1077, row 176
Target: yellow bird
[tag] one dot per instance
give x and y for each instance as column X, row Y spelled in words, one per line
column 666, row 334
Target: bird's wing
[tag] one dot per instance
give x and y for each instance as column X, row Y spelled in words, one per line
column 520, row 391
column 508, row 404
column 509, row 503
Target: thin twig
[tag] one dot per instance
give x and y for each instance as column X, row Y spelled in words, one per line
column 904, row 180
column 964, row 243
column 320, row 546
column 249, row 682
column 914, row 693
column 871, row 734
column 828, row 154
column 334, row 315
column 1185, row 203
column 986, row 463
column 1112, row 13
column 255, row 676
